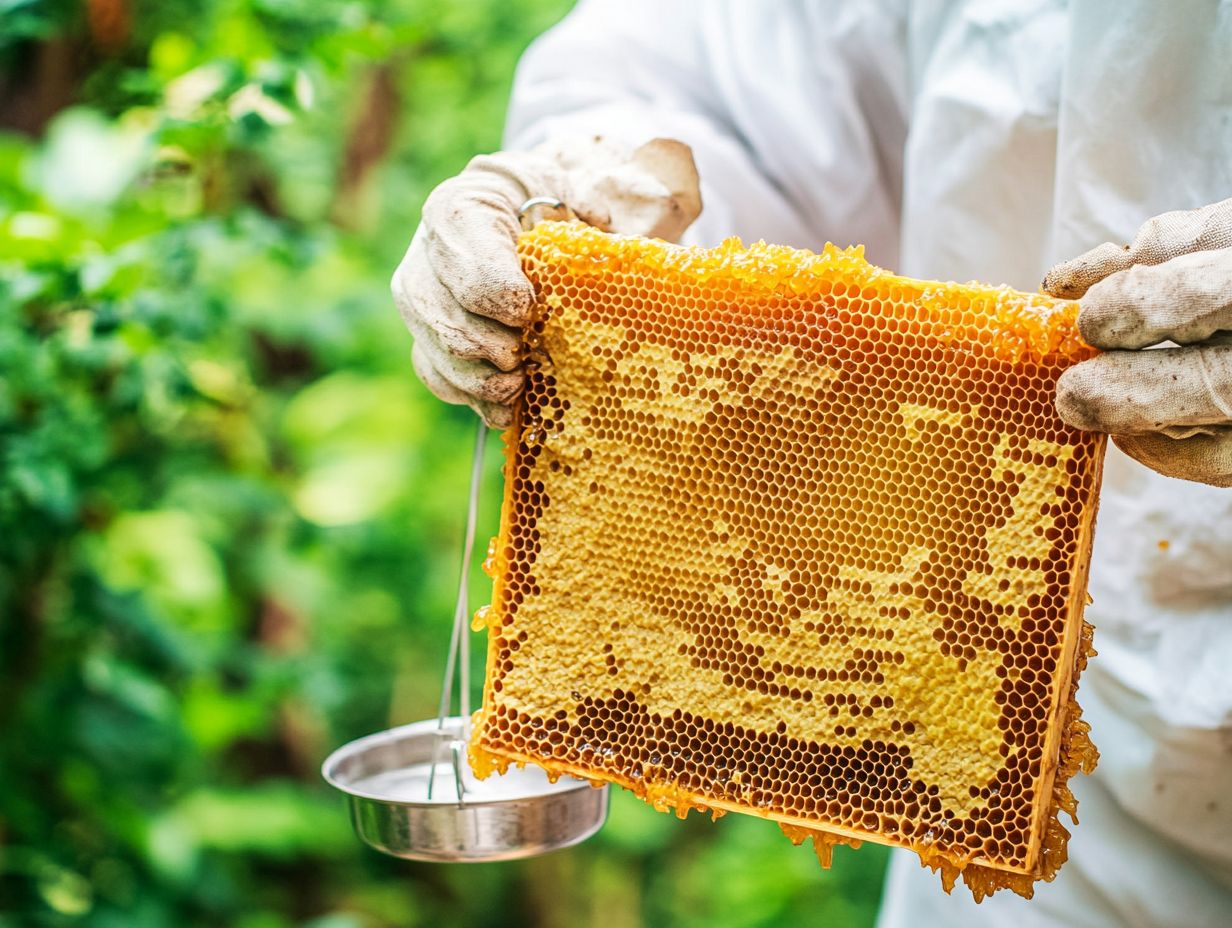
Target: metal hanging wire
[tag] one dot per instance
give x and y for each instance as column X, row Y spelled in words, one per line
column 457, row 665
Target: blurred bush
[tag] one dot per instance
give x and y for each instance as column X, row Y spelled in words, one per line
column 228, row 512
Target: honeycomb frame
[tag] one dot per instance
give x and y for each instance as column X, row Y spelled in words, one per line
column 638, row 343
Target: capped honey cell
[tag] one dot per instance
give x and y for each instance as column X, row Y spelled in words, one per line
column 786, row 534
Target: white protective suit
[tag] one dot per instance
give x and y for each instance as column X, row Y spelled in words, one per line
column 981, row 140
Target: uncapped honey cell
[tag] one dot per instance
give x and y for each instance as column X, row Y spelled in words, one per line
column 788, row 535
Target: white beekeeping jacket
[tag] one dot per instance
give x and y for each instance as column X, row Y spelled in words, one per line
column 982, row 140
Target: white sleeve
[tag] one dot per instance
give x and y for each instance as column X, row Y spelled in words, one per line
column 634, row 70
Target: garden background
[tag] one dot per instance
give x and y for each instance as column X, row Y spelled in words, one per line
column 229, row 514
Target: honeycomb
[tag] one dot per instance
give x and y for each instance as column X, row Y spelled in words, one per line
column 788, row 535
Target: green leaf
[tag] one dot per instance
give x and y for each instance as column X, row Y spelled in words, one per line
column 275, row 820
column 165, row 555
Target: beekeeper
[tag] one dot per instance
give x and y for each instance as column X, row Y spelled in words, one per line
column 957, row 141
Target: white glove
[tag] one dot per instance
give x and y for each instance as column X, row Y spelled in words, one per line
column 460, row 287
column 1169, row 408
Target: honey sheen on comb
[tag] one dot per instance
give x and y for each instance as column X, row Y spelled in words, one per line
column 788, row 535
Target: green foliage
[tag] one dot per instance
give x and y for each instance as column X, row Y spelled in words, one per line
column 229, row 513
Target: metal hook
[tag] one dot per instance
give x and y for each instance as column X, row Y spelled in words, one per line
column 524, row 211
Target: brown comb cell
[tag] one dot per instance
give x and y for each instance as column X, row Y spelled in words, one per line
column 788, row 535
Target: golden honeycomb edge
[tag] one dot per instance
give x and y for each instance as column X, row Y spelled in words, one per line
column 1067, row 743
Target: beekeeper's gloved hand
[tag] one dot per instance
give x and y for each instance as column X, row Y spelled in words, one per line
column 1170, row 408
column 460, row 287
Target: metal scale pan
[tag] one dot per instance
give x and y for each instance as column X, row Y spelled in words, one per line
column 518, row 814
column 411, row 790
